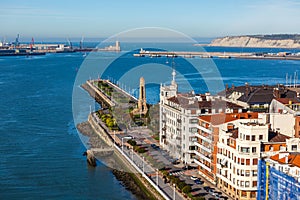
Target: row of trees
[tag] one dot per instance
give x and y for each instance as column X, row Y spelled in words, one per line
column 180, row 184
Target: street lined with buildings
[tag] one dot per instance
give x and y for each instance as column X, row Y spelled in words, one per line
column 240, row 141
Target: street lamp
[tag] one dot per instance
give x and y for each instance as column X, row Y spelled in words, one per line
column 114, row 138
column 157, row 177
column 143, row 164
column 173, row 191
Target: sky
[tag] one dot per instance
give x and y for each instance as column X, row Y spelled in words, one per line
column 99, row 18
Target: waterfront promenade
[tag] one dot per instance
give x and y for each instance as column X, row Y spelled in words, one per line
column 144, row 165
column 140, row 164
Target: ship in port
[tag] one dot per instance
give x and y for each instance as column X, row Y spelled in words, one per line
column 17, row 49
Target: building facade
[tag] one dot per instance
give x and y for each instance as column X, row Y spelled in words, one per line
column 179, row 119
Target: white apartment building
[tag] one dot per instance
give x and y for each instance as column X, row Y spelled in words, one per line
column 239, row 149
column 179, row 119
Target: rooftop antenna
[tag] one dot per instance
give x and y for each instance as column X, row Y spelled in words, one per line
column 295, row 73
column 296, row 78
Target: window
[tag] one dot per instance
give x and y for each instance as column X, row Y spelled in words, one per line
column 253, row 138
column 254, row 183
column 242, row 172
column 247, row 161
column 252, row 194
column 193, row 121
column 261, row 137
column 245, row 149
column 193, row 130
column 242, row 183
column 294, row 147
column 244, row 194
column 247, row 137
column 254, row 173
column 253, row 149
column 255, row 161
column 247, row 184
column 247, row 172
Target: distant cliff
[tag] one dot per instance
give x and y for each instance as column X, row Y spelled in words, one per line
column 268, row 41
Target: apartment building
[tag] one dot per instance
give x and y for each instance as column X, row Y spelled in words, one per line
column 179, row 119
column 209, row 128
column 279, row 176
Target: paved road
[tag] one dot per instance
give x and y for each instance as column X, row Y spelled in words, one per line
column 138, row 160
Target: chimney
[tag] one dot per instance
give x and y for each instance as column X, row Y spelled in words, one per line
column 232, row 87
column 226, row 87
column 286, row 159
column 247, row 89
column 276, row 93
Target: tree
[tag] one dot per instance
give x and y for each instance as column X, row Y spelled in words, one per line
column 187, row 189
column 181, row 185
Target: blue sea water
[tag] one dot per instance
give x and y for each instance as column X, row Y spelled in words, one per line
column 41, row 153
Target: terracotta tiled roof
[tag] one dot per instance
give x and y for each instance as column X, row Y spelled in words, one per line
column 221, row 118
column 277, row 137
column 288, row 100
column 293, row 159
column 296, row 160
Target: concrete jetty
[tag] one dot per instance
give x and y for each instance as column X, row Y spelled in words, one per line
column 202, row 54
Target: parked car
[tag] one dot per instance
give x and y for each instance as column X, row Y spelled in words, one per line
column 194, row 178
column 175, row 161
column 154, row 146
column 128, row 137
column 198, row 181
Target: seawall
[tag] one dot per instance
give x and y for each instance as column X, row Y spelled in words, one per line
column 134, row 181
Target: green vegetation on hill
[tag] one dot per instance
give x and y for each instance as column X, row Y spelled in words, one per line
column 277, row 36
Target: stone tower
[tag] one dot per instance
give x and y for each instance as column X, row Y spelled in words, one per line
column 142, row 103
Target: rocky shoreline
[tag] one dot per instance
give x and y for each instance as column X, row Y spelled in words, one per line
column 128, row 182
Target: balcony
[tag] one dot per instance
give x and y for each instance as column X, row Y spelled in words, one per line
column 202, row 165
column 204, row 129
column 202, row 147
column 202, row 156
column 203, row 138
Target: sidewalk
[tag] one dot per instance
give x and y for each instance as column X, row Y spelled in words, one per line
column 152, row 173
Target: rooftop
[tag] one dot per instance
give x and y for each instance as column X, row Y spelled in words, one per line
column 259, row 94
column 188, row 102
column 277, row 137
column 288, row 100
column 293, row 159
column 221, row 118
